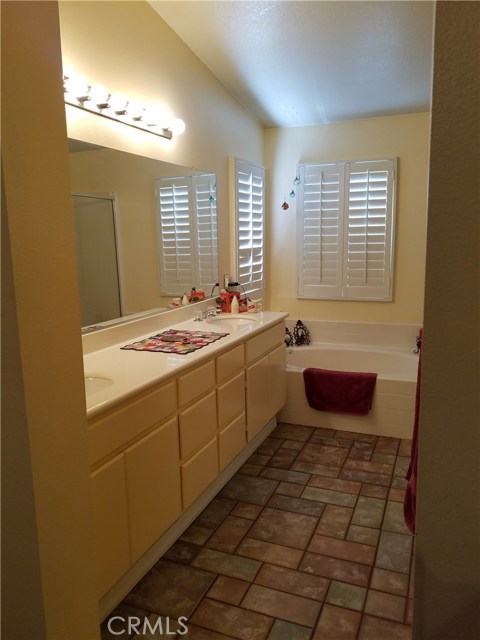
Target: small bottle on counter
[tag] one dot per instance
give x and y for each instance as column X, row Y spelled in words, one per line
column 185, row 299
column 234, row 308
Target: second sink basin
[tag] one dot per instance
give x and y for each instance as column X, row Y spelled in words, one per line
column 231, row 321
column 95, row 383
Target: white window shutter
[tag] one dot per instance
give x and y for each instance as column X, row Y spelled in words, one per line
column 250, row 225
column 320, row 231
column 345, row 230
column 187, row 233
column 205, row 204
column 175, row 235
column 368, row 238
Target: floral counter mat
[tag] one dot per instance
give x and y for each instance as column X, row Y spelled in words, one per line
column 175, row 341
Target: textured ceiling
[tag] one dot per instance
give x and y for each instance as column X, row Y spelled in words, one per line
column 294, row 62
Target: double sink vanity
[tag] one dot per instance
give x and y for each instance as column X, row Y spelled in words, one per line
column 166, row 430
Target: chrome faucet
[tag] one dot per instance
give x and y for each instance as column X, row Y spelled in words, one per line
column 208, row 313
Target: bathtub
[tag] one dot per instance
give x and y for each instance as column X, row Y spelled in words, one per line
column 393, row 404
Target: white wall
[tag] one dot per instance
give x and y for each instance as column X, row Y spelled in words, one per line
column 404, row 137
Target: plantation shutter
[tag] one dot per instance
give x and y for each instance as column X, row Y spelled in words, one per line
column 206, row 225
column 345, row 230
column 250, row 218
column 320, row 231
column 187, row 233
column 369, row 236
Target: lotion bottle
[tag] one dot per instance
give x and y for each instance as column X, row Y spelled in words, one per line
column 234, row 308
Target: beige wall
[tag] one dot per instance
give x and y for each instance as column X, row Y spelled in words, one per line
column 139, row 55
column 447, row 559
column 47, row 539
column 404, row 137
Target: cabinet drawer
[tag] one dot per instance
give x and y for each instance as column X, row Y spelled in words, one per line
column 199, row 472
column 231, row 441
column 198, row 424
column 196, row 383
column 230, row 363
column 230, row 399
column 109, row 433
column 264, row 342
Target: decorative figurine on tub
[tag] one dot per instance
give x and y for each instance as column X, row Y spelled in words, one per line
column 288, row 337
column 301, row 334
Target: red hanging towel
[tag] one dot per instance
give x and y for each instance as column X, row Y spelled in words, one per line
column 410, row 500
column 339, row 391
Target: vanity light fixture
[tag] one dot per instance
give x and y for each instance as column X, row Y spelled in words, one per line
column 115, row 106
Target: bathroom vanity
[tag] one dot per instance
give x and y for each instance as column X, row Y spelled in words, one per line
column 167, row 431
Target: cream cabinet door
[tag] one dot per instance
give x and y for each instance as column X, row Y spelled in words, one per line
column 266, row 390
column 257, row 396
column 153, row 486
column 278, row 379
column 110, row 525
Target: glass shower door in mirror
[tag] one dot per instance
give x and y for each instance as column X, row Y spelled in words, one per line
column 97, row 259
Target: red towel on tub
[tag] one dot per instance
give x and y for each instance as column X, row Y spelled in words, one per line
column 339, row 391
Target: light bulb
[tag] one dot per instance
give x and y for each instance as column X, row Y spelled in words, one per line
column 98, row 94
column 117, row 102
column 135, row 110
column 76, row 88
column 177, row 127
column 156, row 117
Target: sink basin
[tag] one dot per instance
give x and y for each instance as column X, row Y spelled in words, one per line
column 95, row 383
column 230, row 321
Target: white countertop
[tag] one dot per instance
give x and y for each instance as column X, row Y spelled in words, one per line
column 131, row 372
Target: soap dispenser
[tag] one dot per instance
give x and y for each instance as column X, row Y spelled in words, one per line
column 185, row 299
column 234, row 308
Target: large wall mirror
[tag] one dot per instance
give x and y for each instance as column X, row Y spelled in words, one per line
column 117, row 231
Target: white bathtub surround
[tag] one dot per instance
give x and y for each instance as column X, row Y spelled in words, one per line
column 393, row 407
column 375, row 334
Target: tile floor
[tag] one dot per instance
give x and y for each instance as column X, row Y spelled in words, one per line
column 305, row 542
